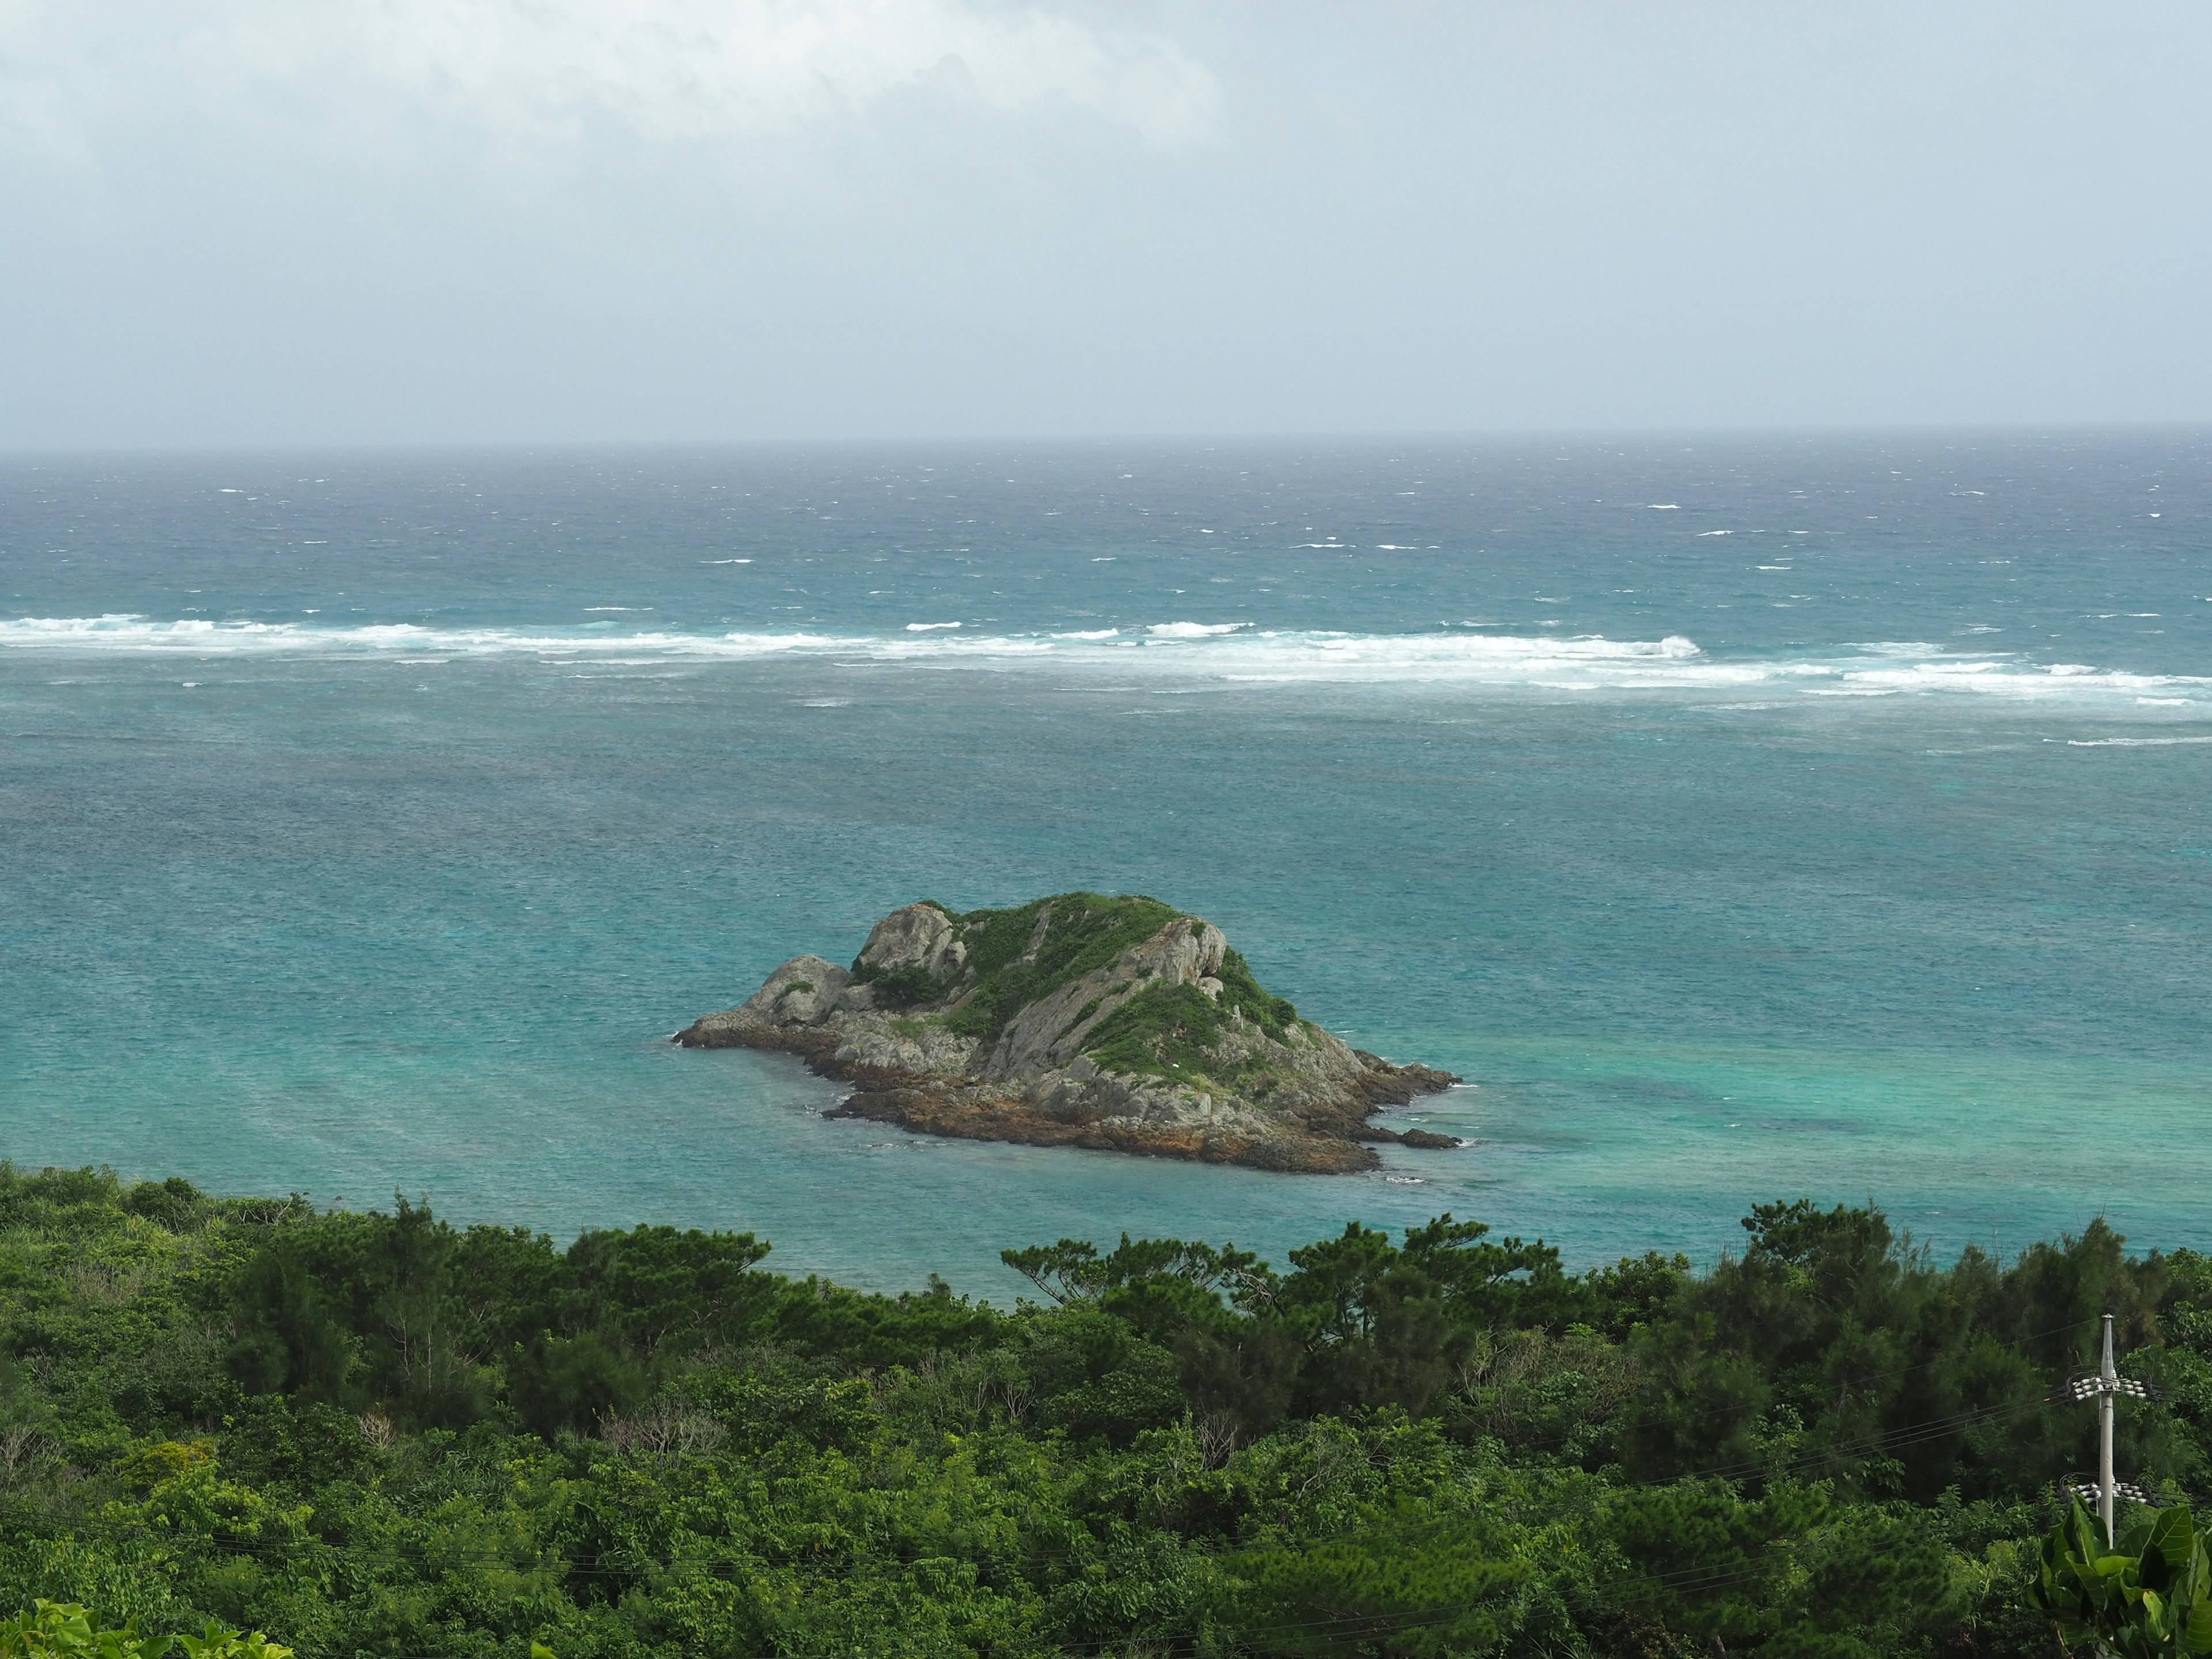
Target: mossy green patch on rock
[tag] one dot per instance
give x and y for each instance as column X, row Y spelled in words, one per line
column 1162, row 1031
column 1175, row 1031
column 1085, row 932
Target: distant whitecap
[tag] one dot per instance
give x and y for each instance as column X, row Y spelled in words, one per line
column 1191, row 630
column 1224, row 652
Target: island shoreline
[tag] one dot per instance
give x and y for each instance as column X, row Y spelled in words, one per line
column 1115, row 1024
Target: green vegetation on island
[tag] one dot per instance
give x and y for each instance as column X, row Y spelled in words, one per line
column 1008, row 967
column 380, row 1434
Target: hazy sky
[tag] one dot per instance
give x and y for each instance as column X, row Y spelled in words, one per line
column 252, row 221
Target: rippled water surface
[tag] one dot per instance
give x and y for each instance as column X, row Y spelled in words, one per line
column 1743, row 821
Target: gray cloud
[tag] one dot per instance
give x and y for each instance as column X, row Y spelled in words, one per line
column 234, row 220
column 678, row 71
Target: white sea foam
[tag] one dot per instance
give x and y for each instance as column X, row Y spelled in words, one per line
column 1224, row 653
column 2130, row 743
column 1191, row 630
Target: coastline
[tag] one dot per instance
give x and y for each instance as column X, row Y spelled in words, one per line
column 961, row 1110
column 1117, row 1023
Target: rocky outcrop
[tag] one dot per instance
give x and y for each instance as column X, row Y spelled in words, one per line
column 1077, row 1020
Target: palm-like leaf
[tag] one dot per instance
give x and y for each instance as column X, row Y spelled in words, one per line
column 2149, row 1595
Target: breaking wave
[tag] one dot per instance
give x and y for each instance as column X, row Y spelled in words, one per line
column 1228, row 652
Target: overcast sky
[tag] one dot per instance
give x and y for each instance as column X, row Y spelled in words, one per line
column 435, row 221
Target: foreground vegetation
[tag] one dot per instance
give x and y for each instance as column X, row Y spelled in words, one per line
column 378, row 1434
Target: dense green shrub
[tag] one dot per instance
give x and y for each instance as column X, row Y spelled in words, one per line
column 381, row 1434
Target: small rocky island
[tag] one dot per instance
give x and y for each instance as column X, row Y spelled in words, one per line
column 1079, row 1020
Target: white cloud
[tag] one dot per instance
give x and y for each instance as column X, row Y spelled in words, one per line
column 678, row 69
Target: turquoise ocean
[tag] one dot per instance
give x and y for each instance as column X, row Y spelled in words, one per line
column 1744, row 820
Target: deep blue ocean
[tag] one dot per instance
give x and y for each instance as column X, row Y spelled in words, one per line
column 1743, row 819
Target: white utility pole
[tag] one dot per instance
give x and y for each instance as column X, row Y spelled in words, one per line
column 2106, row 1386
column 2107, row 1377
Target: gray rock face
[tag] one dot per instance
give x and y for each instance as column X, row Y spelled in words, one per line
column 919, row 936
column 1232, row 1078
column 805, row 991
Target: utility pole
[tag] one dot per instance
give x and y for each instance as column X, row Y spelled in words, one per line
column 2106, row 1375
column 2105, row 1388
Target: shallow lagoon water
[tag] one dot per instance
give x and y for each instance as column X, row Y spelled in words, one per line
column 352, row 842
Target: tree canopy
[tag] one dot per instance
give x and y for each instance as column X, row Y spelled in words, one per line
column 382, row 1434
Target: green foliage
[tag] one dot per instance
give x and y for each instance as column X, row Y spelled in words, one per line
column 571, row 1382
column 176, row 1204
column 1164, row 1030
column 2147, row 1595
column 1087, row 931
column 155, row 1466
column 1405, row 1581
column 49, row 1628
column 380, row 1434
column 1170, row 1030
column 1827, row 1338
column 1788, row 1571
column 1271, row 1014
column 901, row 987
column 217, row 1642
